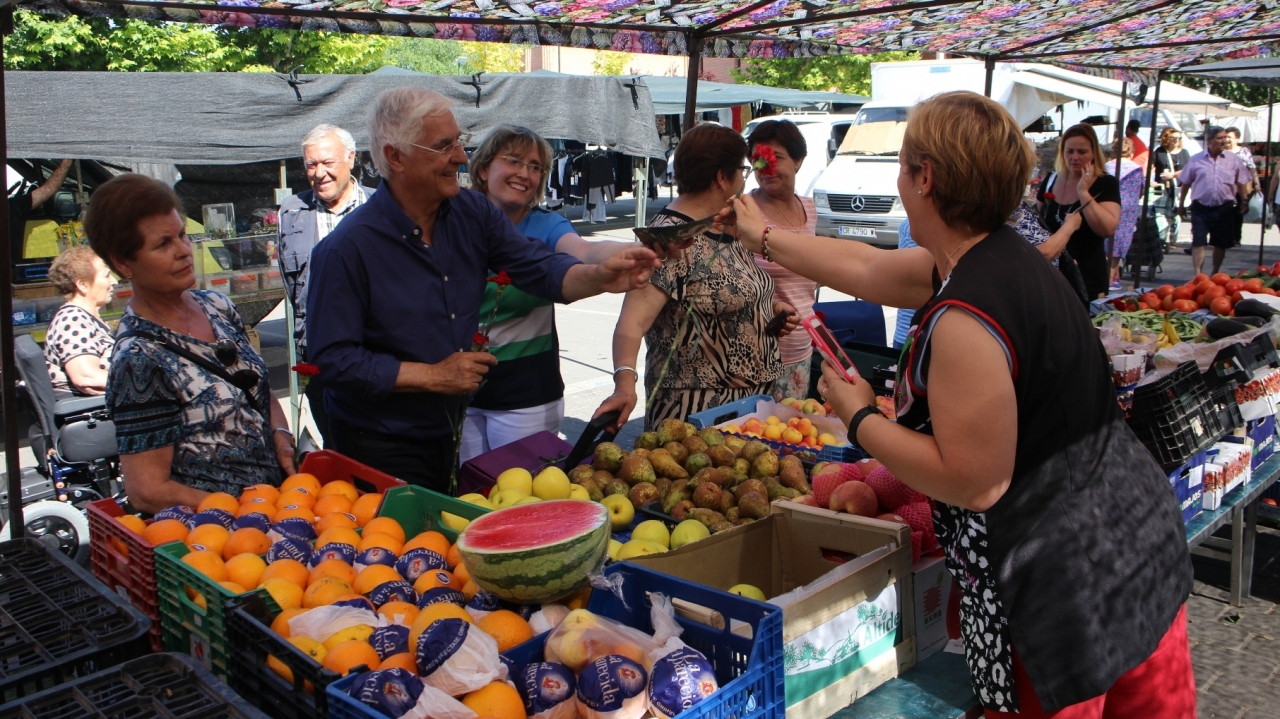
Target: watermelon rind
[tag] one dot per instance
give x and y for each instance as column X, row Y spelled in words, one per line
column 535, row 574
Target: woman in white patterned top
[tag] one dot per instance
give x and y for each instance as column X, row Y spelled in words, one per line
column 78, row 345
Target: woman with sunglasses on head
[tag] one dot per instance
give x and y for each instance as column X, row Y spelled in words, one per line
column 193, row 410
column 523, row 393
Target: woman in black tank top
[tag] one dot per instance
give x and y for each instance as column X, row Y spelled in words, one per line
column 1059, row 527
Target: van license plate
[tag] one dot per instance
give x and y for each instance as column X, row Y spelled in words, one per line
column 847, row 231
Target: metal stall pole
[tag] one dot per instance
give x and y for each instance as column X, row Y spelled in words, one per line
column 641, row 176
column 694, row 41
column 1115, row 145
column 295, row 401
column 991, row 69
column 1146, row 195
column 8, row 363
column 1266, row 162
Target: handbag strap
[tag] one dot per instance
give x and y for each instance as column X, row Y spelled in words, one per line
column 203, row 363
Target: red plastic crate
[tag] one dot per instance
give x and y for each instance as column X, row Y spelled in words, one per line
column 328, row 466
column 131, row 573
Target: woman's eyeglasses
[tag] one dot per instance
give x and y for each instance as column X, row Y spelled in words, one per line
column 461, row 141
column 532, row 167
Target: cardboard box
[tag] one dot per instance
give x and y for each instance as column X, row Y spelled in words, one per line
column 1188, row 485
column 853, row 632
column 931, row 585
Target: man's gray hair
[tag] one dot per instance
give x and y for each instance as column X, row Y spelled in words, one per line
column 1213, row 131
column 319, row 132
column 396, row 119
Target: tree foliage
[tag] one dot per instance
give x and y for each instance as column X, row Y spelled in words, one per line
column 1237, row 92
column 610, row 63
column 839, row 73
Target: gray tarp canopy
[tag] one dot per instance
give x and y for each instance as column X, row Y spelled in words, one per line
column 1263, row 71
column 669, row 94
column 232, row 118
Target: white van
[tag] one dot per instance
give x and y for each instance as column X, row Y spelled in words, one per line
column 857, row 195
column 822, row 132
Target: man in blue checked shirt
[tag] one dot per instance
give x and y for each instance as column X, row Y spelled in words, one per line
column 396, row 288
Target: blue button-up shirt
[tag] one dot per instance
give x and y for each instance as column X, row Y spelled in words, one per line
column 380, row 296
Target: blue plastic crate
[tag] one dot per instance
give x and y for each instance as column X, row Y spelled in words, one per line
column 733, row 410
column 725, row 412
column 749, row 670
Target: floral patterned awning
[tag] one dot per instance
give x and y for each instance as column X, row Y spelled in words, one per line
column 1125, row 38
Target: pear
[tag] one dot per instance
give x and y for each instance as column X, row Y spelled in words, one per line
column 721, row 456
column 671, row 430
column 677, row 450
column 696, row 463
column 753, row 505
column 647, row 440
column 662, row 483
column 792, row 476
column 580, row 473
column 639, row 453
column 742, row 466
column 727, row 501
column 735, row 443
column 681, row 510
column 642, row 494
column 602, row 477
column 595, row 491
column 749, row 486
column 635, row 470
column 721, row 526
column 711, row 436
column 752, row 450
column 675, row 494
column 666, row 466
column 689, row 429
column 707, row 516
column 694, row 444
column 731, row 514
column 776, row 490
column 707, row 496
column 608, row 457
column 617, row 486
column 765, row 465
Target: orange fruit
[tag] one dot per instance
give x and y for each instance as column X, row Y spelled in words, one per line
column 507, row 628
column 333, row 568
column 298, row 496
column 286, row 594
column 371, row 576
column 432, row 613
column 219, row 500
column 259, row 506
column 436, row 578
column 246, row 540
column 212, row 537
column 280, row 625
column 246, row 570
column 325, row 591
column 496, row 699
column 406, row 611
column 336, row 519
column 362, row 601
column 165, row 531
column 385, row 525
column 339, row 487
column 264, row 492
column 431, row 540
column 369, row 540
column 295, row 511
column 403, row 660
column 208, row 563
column 306, row 481
column 308, row 646
column 232, row 587
column 288, row 569
column 366, row 507
column 344, row 657
column 338, row 535
column 134, row 523
column 469, row 590
column 454, row 557
column 330, row 504
column 196, row 598
column 461, row 573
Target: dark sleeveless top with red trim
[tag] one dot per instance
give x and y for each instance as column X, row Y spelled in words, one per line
column 1083, row 564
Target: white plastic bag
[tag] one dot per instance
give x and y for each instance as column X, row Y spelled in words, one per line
column 436, row 704
column 666, row 630
column 323, row 622
column 584, row 637
column 456, row 657
column 547, row 618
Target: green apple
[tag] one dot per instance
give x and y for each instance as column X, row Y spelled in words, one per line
column 690, row 530
column 654, row 531
column 614, row 546
column 748, row 591
column 620, row 511
column 639, row 548
column 516, row 478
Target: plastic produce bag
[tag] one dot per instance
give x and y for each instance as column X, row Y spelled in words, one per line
column 612, row 687
column 666, row 630
column 1203, row 353
column 547, row 689
column 323, row 622
column 436, row 704
column 584, row 637
column 547, row 618
column 455, row 657
column 678, row 681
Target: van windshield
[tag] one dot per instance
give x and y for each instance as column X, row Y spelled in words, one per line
column 876, row 131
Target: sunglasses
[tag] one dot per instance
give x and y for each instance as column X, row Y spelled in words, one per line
column 228, row 353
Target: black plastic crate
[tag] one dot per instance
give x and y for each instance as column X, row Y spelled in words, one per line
column 163, row 686
column 1240, row 362
column 1224, row 410
column 250, row 640
column 876, row 364
column 1173, row 416
column 58, row 622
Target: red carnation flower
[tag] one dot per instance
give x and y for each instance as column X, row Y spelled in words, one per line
column 479, row 340
column 502, row 279
column 764, row 161
column 1049, row 196
column 305, row 369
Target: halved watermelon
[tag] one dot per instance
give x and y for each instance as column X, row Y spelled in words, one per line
column 537, row 552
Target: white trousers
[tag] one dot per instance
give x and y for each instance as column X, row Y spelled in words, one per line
column 486, row 429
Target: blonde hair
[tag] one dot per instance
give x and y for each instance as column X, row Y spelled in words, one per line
column 510, row 139
column 980, row 159
column 1167, row 138
column 1085, row 131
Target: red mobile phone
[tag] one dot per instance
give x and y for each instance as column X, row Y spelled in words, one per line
column 826, row 344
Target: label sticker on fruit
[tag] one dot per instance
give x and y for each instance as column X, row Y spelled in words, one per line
column 841, row 646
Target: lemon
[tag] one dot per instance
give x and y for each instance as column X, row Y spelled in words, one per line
column 516, row 478
column 359, row 632
column 551, row 483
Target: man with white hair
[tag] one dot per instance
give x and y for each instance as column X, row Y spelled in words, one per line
column 394, row 305
column 328, row 155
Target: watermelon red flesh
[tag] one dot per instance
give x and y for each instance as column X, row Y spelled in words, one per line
column 538, row 552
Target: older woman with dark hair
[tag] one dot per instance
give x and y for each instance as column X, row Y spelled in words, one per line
column 78, row 345
column 704, row 316
column 193, row 410
column 1060, row 529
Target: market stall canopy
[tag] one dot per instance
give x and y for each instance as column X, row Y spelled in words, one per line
column 1263, row 71
column 669, row 95
column 1106, row 92
column 232, row 118
column 1252, row 126
column 1129, row 38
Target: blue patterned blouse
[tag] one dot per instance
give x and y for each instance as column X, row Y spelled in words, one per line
column 158, row 399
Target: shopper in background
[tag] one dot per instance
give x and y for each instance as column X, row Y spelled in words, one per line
column 704, row 316
column 1007, row 418
column 78, row 345
column 189, row 395
column 1218, row 182
column 784, row 209
column 1170, row 158
column 1246, row 156
column 328, row 156
column 524, row 393
column 394, row 303
column 1081, row 184
column 1131, row 183
column 24, row 202
column 1133, row 132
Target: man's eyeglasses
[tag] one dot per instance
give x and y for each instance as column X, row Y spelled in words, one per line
column 532, row 167
column 462, row 141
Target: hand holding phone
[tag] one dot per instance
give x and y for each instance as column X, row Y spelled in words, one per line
column 829, row 348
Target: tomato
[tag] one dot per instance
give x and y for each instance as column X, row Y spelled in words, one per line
column 1214, row 293
column 1203, row 287
column 1275, row 270
column 1221, row 278
column 1254, row 285
column 1185, row 306
column 1202, row 277
column 1236, row 297
column 1234, row 286
column 1151, row 300
column 1267, row 291
column 1184, row 293
column 1220, row 306
column 1164, row 291
column 1168, row 303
